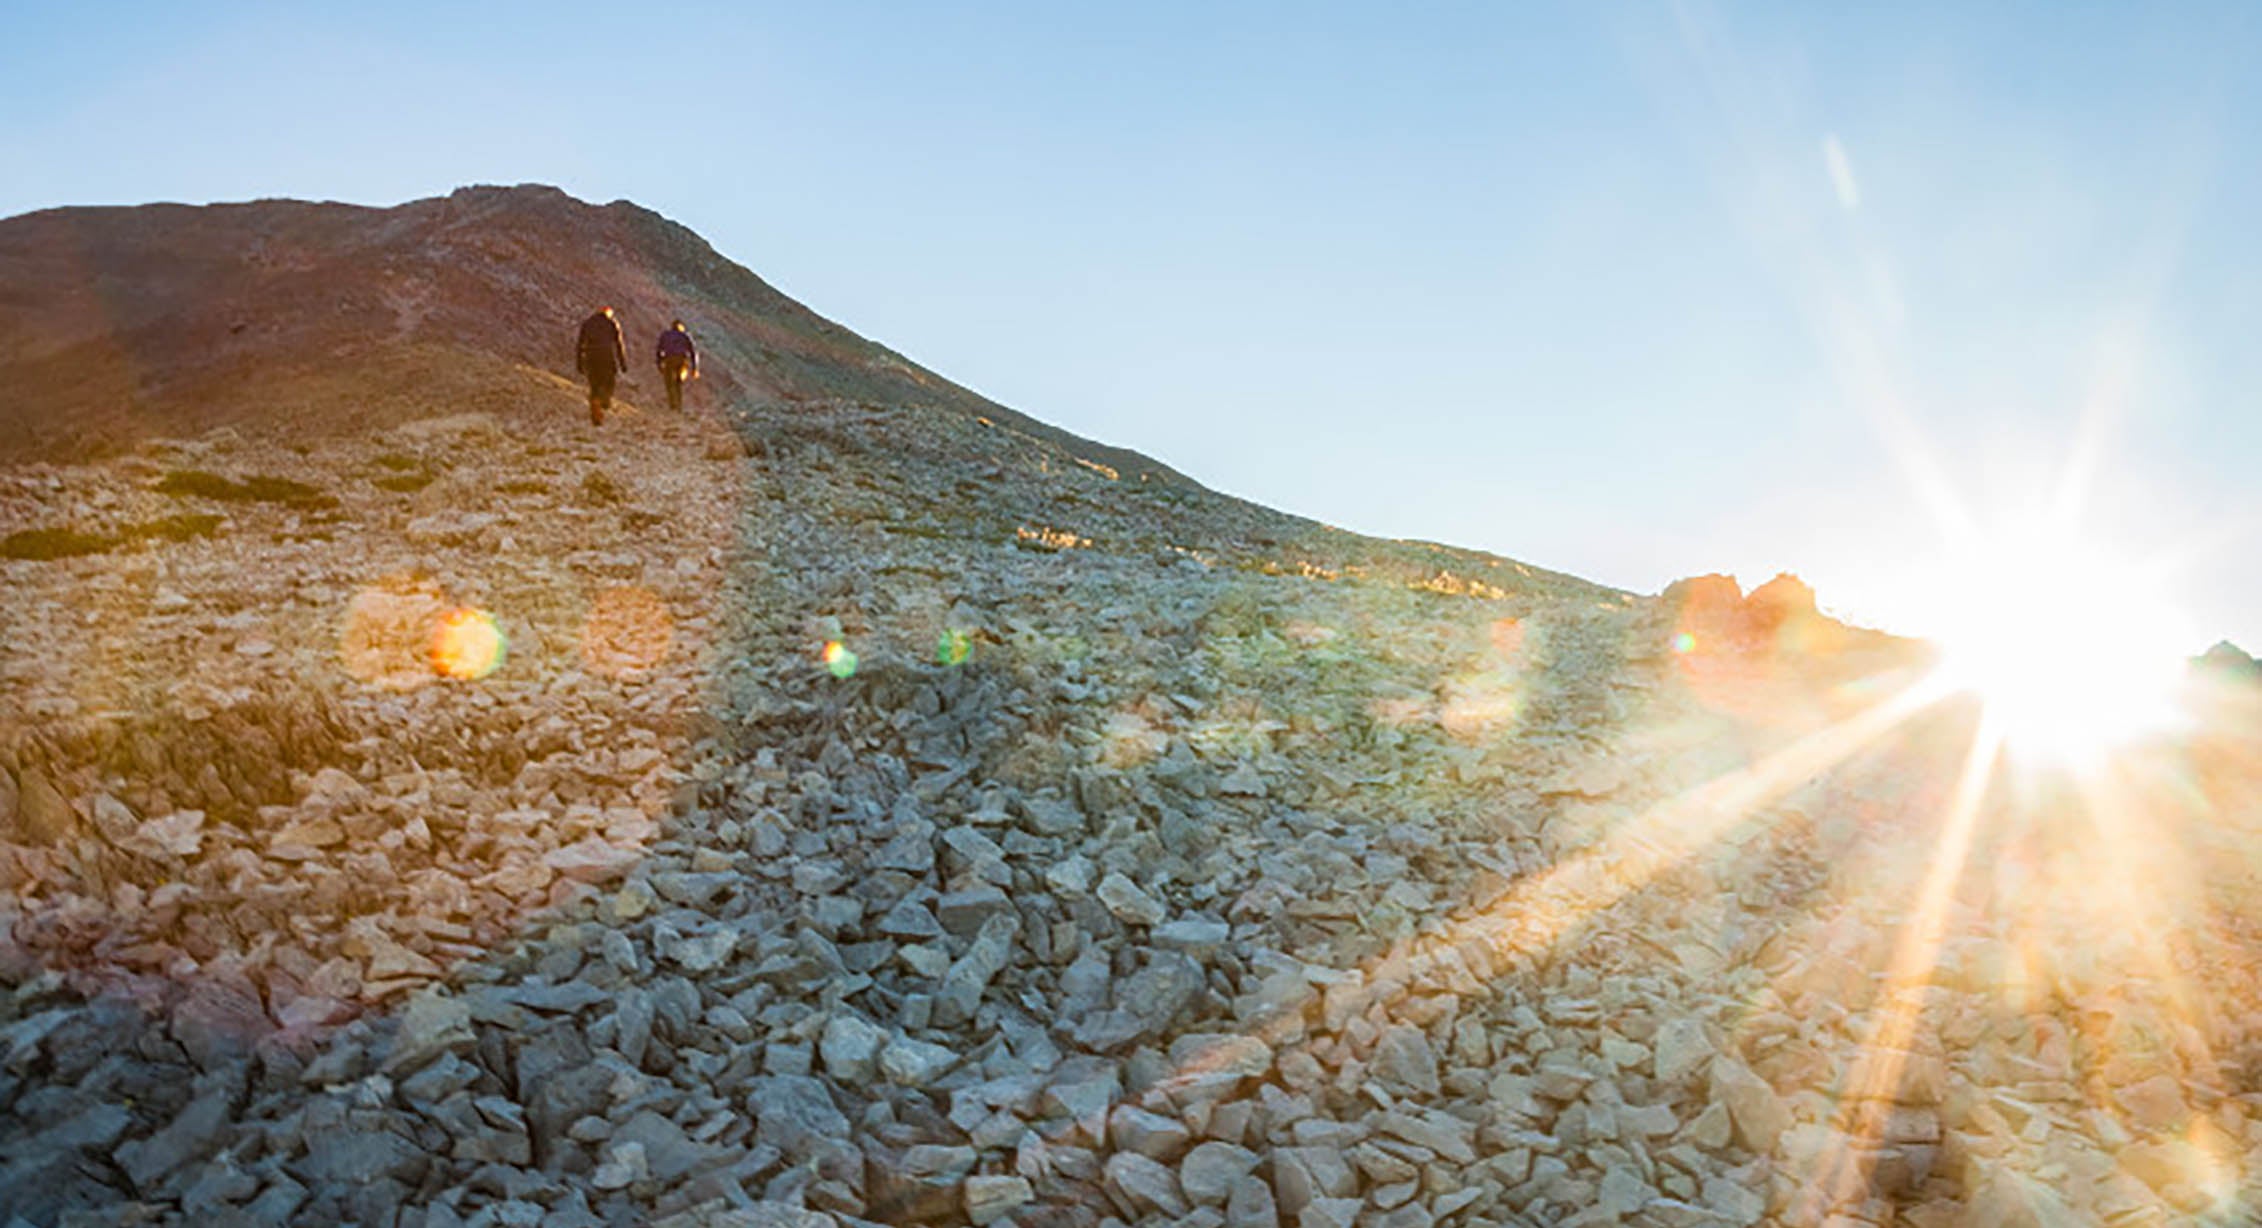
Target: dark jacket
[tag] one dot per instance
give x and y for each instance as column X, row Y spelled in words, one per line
column 600, row 347
column 676, row 343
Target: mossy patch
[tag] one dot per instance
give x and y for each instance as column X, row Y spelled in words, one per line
column 600, row 488
column 43, row 545
column 174, row 528
column 259, row 488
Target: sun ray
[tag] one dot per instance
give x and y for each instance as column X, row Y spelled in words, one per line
column 1551, row 904
column 1876, row 1077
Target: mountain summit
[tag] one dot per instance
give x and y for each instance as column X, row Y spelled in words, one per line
column 165, row 320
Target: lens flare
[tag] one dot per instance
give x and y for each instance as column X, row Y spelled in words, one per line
column 467, row 644
column 1684, row 643
column 953, row 647
column 839, row 659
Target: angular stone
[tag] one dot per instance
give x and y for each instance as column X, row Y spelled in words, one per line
column 431, row 1024
column 1228, row 1054
column 1211, row 1170
column 669, row 1153
column 989, row 1199
column 851, row 1048
column 1129, row 902
column 1759, row 1114
column 196, row 1132
column 964, row 912
column 591, row 860
column 794, row 1113
column 910, row 919
column 359, row 1157
column 43, row 817
column 1191, row 935
column 1145, row 1184
column 1152, row 1135
column 1251, row 1205
column 915, row 1063
column 1404, row 1061
column 1680, row 1049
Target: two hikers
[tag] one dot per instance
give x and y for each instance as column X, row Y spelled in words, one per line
column 678, row 359
column 600, row 355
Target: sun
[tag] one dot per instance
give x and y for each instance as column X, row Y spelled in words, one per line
column 2073, row 648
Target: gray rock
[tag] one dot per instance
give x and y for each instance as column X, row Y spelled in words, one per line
column 795, row 1113
column 569, row 998
column 1679, row 1050
column 1192, row 935
column 669, row 1154
column 851, row 1048
column 915, row 1063
column 632, row 1024
column 433, row 1023
column 910, row 919
column 1149, row 1134
column 1082, row 1091
column 1404, row 1061
column 1211, row 1170
column 1129, row 902
column 358, row 1156
column 989, row 1199
column 969, row 978
column 964, row 912
column 1145, row 1184
column 1251, row 1205
column 198, row 1131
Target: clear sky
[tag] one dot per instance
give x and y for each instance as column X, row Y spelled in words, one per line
column 1628, row 290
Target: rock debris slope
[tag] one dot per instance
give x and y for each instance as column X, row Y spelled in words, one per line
column 880, row 813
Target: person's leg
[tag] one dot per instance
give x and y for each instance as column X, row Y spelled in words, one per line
column 600, row 395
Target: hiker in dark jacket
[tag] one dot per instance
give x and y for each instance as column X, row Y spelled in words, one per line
column 600, row 355
column 679, row 361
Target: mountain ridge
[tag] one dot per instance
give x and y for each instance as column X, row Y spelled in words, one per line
column 122, row 322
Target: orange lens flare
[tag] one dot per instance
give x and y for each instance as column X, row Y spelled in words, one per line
column 467, row 644
column 839, row 659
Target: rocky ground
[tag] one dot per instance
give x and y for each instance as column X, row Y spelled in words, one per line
column 882, row 815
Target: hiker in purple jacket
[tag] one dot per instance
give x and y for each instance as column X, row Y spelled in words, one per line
column 679, row 361
column 599, row 354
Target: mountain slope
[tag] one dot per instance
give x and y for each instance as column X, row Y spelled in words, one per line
column 860, row 805
column 120, row 323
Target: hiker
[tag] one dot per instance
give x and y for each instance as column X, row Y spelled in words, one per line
column 600, row 356
column 679, row 361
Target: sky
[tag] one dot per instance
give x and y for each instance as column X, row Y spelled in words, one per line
column 1629, row 290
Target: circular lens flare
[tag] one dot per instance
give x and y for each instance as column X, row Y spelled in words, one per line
column 839, row 659
column 953, row 647
column 467, row 644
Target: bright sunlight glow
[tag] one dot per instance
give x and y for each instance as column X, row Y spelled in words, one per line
column 2072, row 650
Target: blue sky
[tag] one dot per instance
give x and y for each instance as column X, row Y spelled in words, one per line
column 1582, row 284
